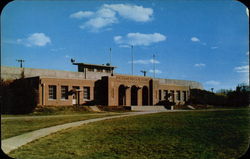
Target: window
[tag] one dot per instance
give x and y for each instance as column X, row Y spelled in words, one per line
column 165, row 94
column 178, row 95
column 75, row 88
column 90, row 69
column 86, row 92
column 172, row 96
column 108, row 71
column 159, row 94
column 52, row 92
column 99, row 70
column 184, row 96
column 64, row 92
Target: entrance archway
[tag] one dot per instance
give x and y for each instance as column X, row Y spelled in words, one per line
column 145, row 95
column 134, row 95
column 122, row 95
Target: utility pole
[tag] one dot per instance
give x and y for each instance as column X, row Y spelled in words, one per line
column 21, row 62
column 110, row 52
column 154, row 64
column 132, row 57
column 110, row 56
column 144, row 72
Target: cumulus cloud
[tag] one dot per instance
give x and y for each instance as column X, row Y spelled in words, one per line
column 199, row 65
column 156, row 71
column 139, row 39
column 104, row 17
column 212, row 82
column 195, row 39
column 132, row 12
column 57, row 49
column 214, row 47
column 244, row 72
column 242, row 69
column 150, row 61
column 81, row 14
column 35, row 39
column 107, row 15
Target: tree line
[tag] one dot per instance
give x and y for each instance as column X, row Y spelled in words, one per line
column 232, row 98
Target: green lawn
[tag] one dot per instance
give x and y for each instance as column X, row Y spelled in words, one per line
column 14, row 127
column 194, row 135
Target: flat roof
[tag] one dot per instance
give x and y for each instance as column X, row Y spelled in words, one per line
column 94, row 65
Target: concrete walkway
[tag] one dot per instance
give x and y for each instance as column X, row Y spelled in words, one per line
column 55, row 116
column 17, row 141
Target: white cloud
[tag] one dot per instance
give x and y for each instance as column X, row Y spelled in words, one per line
column 103, row 17
column 156, row 71
column 132, row 12
column 214, row 47
column 35, row 39
column 67, row 56
column 199, row 65
column 247, row 53
column 82, row 14
column 212, row 82
column 242, row 69
column 57, row 49
column 150, row 61
column 195, row 39
column 106, row 15
column 138, row 39
column 247, row 12
column 125, row 46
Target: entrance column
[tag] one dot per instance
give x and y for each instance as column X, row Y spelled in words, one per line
column 139, row 99
column 128, row 95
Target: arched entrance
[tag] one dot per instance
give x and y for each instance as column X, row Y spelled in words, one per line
column 134, row 95
column 145, row 95
column 122, row 95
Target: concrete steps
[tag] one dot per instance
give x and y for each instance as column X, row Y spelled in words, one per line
column 148, row 108
column 95, row 108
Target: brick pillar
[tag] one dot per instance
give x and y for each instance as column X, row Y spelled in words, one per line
column 140, row 97
column 128, row 96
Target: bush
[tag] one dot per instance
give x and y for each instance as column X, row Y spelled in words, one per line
column 239, row 97
column 18, row 97
column 166, row 103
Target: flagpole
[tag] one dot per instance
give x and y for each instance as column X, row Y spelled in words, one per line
column 132, row 57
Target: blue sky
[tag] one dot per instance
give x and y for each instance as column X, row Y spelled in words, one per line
column 205, row 41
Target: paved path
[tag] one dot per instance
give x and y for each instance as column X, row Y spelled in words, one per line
column 55, row 116
column 17, row 141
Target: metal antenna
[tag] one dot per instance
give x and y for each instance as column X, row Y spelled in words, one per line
column 21, row 62
column 110, row 56
column 154, row 64
column 132, row 56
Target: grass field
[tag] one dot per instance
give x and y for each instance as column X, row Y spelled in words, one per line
column 14, row 127
column 201, row 135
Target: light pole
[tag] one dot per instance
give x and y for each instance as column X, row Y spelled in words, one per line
column 132, row 59
column 21, row 62
column 144, row 72
column 154, row 64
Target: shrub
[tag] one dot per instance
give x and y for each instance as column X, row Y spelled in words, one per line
column 18, row 97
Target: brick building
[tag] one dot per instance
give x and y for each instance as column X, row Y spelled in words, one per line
column 99, row 84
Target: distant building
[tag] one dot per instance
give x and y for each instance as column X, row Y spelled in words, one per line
column 99, row 84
